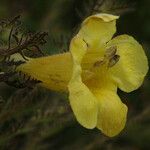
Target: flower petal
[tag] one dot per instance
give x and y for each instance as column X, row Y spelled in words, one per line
column 112, row 112
column 82, row 101
column 54, row 71
column 132, row 67
column 98, row 29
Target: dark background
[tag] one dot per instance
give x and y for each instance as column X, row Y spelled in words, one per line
column 38, row 119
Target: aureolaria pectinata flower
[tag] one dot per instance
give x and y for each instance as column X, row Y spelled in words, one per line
column 91, row 72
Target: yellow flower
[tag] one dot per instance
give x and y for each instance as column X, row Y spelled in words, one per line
column 92, row 71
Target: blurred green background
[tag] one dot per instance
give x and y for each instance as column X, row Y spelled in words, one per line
column 38, row 119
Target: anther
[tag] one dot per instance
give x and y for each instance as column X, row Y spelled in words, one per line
column 113, row 60
column 98, row 63
column 110, row 52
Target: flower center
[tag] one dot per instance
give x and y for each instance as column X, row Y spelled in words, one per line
column 101, row 76
column 110, row 58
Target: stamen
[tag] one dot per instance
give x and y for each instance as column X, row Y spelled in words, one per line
column 110, row 52
column 113, row 61
column 110, row 58
column 98, row 63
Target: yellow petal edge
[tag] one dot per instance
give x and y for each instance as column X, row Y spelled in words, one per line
column 82, row 101
column 132, row 67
